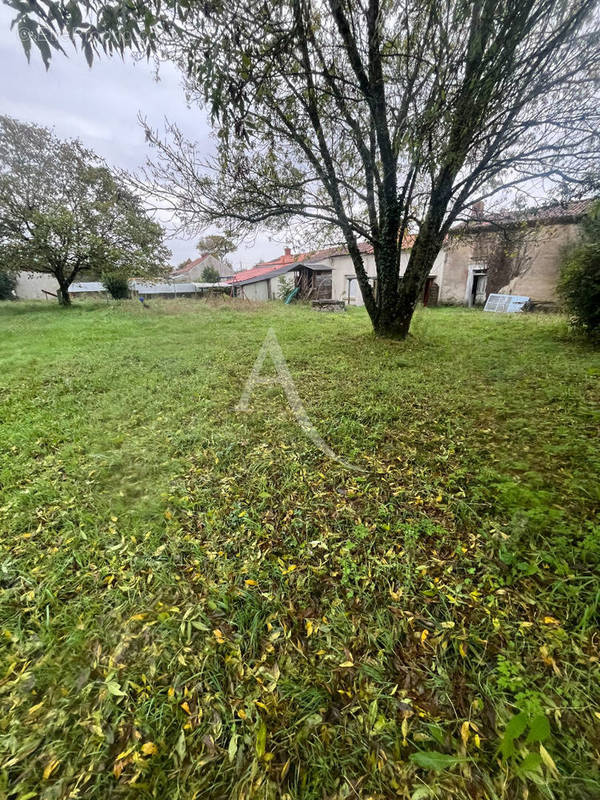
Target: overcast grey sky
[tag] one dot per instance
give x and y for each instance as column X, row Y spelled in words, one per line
column 100, row 106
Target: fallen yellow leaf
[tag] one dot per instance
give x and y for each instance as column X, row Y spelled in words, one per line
column 149, row 749
column 464, row 732
column 50, row 767
column 548, row 760
column 347, row 664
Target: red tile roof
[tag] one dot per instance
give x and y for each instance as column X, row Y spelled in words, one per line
column 254, row 272
column 185, row 269
column 266, row 267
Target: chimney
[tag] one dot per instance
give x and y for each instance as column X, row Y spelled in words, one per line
column 287, row 252
column 477, row 210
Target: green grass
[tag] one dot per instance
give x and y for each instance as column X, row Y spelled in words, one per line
column 196, row 603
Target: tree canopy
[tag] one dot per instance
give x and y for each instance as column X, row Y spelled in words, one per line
column 376, row 120
column 64, row 213
column 216, row 245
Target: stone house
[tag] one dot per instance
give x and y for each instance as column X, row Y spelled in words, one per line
column 192, row 271
column 322, row 275
column 509, row 253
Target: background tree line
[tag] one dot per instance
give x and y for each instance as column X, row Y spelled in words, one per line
column 64, row 213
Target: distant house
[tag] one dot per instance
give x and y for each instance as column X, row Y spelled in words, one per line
column 192, row 271
column 509, row 253
column 327, row 274
column 263, row 281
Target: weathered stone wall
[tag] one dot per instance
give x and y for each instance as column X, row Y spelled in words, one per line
column 30, row 286
column 539, row 279
column 524, row 262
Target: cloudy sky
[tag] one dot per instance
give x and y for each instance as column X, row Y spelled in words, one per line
column 100, row 106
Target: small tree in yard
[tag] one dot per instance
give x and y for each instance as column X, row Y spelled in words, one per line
column 210, row 275
column 284, row 287
column 375, row 119
column 63, row 213
column 579, row 283
column 116, row 284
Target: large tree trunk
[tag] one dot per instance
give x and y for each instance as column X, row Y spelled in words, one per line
column 391, row 310
column 64, row 297
column 393, row 326
column 397, row 297
column 397, row 303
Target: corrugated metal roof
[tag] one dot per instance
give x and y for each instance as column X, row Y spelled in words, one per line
column 163, row 288
column 87, row 286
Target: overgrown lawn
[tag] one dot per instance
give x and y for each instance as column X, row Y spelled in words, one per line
column 197, row 603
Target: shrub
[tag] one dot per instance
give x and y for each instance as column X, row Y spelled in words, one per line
column 210, row 275
column 284, row 287
column 116, row 285
column 8, row 284
column 579, row 283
